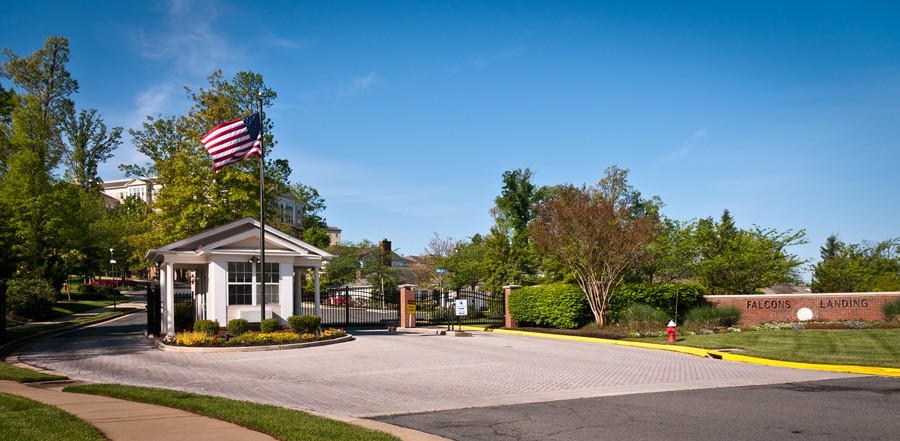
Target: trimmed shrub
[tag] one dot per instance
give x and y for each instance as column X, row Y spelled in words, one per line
column 208, row 327
column 304, row 323
column 658, row 295
column 711, row 317
column 559, row 305
column 238, row 326
column 184, row 316
column 270, row 325
column 891, row 310
column 29, row 299
column 642, row 317
column 438, row 315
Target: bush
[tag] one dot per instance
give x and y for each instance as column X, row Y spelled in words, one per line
column 438, row 315
column 708, row 317
column 559, row 305
column 642, row 317
column 891, row 310
column 184, row 316
column 208, row 327
column 304, row 323
column 270, row 325
column 237, row 326
column 29, row 299
column 658, row 295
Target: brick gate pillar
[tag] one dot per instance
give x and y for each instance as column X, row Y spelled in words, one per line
column 509, row 322
column 407, row 306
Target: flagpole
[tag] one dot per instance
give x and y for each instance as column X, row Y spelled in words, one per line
column 262, row 217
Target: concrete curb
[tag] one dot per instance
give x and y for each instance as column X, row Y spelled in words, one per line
column 864, row 370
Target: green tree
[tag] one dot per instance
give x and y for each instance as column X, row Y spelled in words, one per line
column 90, row 144
column 8, row 100
column 345, row 266
column 46, row 85
column 378, row 271
column 735, row 261
column 675, row 253
column 193, row 198
column 857, row 267
column 464, row 263
column 600, row 232
column 509, row 255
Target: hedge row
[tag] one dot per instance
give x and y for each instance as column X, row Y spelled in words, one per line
column 559, row 305
column 564, row 306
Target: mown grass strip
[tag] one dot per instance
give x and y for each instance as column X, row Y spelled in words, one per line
column 278, row 422
column 22, row 375
column 65, row 307
column 859, row 347
column 24, row 419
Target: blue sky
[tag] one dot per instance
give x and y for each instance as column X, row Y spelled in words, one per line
column 405, row 114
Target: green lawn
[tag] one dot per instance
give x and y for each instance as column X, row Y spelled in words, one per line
column 862, row 347
column 22, row 375
column 279, row 422
column 65, row 307
column 23, row 419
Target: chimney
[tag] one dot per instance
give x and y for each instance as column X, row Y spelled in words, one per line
column 385, row 246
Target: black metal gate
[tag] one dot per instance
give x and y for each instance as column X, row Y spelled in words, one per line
column 356, row 306
column 154, row 310
column 433, row 307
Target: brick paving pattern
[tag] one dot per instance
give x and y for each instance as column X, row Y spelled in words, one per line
column 382, row 373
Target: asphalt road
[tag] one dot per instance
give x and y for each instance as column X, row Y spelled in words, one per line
column 866, row 408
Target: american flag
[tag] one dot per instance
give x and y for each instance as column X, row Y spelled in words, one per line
column 233, row 141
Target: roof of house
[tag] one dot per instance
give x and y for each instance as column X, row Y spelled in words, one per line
column 238, row 237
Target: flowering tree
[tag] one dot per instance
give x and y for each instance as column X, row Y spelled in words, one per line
column 598, row 232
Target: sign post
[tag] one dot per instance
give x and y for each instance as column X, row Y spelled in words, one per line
column 462, row 309
column 411, row 312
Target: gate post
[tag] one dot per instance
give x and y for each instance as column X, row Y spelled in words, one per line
column 154, row 314
column 407, row 314
column 509, row 323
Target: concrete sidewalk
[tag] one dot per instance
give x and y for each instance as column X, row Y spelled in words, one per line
column 121, row 420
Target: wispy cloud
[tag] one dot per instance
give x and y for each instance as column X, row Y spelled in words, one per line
column 151, row 102
column 283, row 43
column 688, row 145
column 360, row 84
column 190, row 39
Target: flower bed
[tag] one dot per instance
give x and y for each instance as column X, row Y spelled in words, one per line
column 200, row 339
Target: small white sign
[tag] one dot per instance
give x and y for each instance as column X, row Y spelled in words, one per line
column 462, row 307
column 804, row 314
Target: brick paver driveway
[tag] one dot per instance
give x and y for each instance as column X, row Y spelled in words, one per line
column 382, row 373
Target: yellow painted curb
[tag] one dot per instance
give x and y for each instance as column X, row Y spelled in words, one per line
column 864, row 370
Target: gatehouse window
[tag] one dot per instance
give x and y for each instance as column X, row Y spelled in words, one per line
column 240, row 283
column 242, row 277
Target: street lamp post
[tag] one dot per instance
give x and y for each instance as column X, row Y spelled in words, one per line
column 113, row 275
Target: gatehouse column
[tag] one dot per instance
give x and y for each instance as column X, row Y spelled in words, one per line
column 170, row 299
column 507, row 291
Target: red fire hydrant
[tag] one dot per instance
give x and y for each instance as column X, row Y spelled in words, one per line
column 671, row 331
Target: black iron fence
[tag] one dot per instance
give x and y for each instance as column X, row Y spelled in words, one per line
column 434, row 307
column 348, row 306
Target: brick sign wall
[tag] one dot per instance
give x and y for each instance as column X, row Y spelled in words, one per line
column 756, row 309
